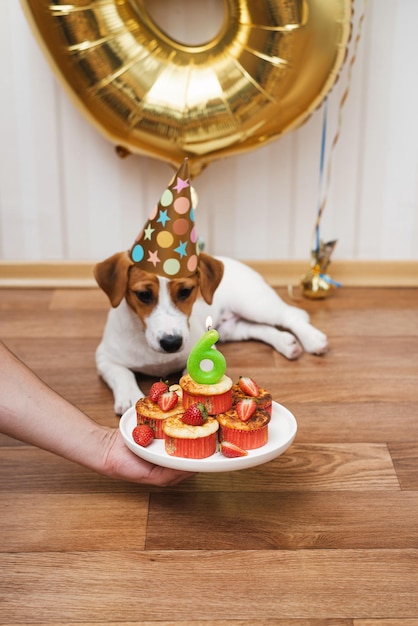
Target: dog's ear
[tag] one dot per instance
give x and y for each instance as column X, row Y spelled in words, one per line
column 112, row 276
column 210, row 275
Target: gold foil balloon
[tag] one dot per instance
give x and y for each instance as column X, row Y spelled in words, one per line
column 268, row 68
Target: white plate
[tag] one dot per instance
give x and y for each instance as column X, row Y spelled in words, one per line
column 282, row 431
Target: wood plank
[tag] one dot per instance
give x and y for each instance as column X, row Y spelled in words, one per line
column 283, row 521
column 310, row 467
column 405, row 460
column 342, row 355
column 330, row 385
column 355, row 422
column 66, row 354
column 385, row 622
column 13, row 300
column 79, row 299
column 373, row 323
column 72, row 520
column 59, row 323
column 304, row 467
column 24, row 469
column 221, row 622
column 353, row 299
column 261, row 584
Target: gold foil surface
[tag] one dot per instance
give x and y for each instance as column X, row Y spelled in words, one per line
column 316, row 284
column 270, row 65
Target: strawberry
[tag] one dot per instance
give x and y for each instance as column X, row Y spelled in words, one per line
column 195, row 415
column 245, row 408
column 232, row 451
column 248, row 386
column 167, row 400
column 143, row 435
column 157, row 389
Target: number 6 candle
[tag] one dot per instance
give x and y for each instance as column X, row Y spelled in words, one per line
column 204, row 350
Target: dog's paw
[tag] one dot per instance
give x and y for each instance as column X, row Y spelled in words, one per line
column 315, row 342
column 125, row 399
column 289, row 346
column 227, row 326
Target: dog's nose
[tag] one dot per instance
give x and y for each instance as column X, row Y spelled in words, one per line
column 171, row 343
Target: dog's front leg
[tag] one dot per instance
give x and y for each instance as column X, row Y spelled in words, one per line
column 121, row 380
column 233, row 328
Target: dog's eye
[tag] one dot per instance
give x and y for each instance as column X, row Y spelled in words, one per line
column 184, row 293
column 145, row 296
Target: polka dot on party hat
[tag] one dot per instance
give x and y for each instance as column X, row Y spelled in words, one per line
column 168, row 244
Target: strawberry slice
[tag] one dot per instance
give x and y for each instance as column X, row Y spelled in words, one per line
column 231, row 451
column 245, row 408
column 248, row 386
column 143, row 435
column 157, row 389
column 167, row 400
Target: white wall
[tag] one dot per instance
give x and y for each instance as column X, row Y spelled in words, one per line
column 65, row 195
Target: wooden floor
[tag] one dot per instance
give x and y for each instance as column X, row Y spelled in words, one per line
column 326, row 534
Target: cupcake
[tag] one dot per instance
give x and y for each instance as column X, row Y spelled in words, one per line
column 160, row 404
column 192, row 435
column 247, row 388
column 217, row 398
column 248, row 433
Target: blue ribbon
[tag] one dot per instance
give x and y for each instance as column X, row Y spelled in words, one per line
column 330, row 280
column 321, row 167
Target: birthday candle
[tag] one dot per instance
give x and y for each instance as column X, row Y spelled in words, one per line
column 204, row 351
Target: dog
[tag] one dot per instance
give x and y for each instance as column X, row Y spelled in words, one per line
column 154, row 322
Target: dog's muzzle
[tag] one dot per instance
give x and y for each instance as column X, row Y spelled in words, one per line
column 171, row 343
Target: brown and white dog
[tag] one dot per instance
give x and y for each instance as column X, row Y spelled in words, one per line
column 155, row 322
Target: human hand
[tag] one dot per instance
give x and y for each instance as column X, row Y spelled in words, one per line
column 120, row 463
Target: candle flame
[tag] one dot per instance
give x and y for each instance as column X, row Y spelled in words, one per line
column 208, row 323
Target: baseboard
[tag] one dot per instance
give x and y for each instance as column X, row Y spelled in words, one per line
column 348, row 273
column 46, row 274
column 62, row 274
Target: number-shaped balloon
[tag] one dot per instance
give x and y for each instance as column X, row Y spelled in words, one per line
column 263, row 74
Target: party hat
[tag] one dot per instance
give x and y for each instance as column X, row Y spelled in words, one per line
column 168, row 244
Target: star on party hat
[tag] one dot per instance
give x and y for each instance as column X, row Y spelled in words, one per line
column 168, row 244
